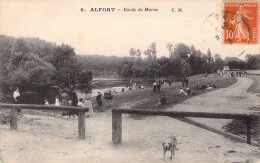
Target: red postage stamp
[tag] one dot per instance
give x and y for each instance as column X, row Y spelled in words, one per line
column 240, row 23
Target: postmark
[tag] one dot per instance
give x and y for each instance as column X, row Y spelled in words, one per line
column 240, row 23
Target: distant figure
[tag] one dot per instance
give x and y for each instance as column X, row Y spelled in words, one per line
column 80, row 103
column 87, row 103
column 99, row 101
column 236, row 73
column 64, row 99
column 162, row 101
column 187, row 81
column 240, row 73
column 182, row 92
column 16, row 96
column 206, row 74
column 170, row 82
column 204, row 86
column 183, row 81
column 74, row 98
column 154, row 87
column 188, row 91
column 57, row 101
column 46, row 102
column 158, row 86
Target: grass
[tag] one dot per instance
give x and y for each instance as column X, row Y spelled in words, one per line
column 146, row 99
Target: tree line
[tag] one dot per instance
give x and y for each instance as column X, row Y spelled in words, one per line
column 32, row 63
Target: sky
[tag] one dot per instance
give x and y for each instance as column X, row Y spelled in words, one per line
column 114, row 33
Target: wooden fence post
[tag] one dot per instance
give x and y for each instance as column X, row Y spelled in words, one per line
column 81, row 124
column 116, row 127
column 248, row 132
column 13, row 119
column 258, row 132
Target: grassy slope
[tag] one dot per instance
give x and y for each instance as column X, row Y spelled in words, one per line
column 146, row 99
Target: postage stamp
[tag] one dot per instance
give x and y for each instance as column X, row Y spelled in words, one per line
column 240, row 22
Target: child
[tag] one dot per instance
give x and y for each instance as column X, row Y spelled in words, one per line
column 80, row 103
column 57, row 101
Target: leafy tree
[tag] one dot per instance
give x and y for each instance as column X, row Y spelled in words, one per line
column 253, row 61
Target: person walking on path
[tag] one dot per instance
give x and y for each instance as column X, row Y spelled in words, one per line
column 99, row 101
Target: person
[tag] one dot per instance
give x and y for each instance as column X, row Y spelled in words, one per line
column 154, row 86
column 46, row 102
column 182, row 93
column 209, row 86
column 240, row 73
column 163, row 100
column 187, row 81
column 57, row 101
column 158, row 86
column 17, row 96
column 74, row 98
column 99, row 101
column 183, row 81
column 204, row 86
column 87, row 103
column 80, row 103
column 64, row 99
column 245, row 73
column 205, row 75
column 236, row 73
column 188, row 91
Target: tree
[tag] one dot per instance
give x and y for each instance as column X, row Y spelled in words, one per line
column 181, row 51
column 132, row 52
column 219, row 62
column 151, row 52
column 253, row 61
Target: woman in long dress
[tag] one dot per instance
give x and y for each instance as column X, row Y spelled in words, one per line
column 87, row 103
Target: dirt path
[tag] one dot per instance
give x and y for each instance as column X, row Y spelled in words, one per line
column 52, row 139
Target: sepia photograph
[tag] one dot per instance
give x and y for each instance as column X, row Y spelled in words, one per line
column 129, row 81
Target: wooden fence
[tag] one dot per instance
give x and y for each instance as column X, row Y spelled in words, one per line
column 13, row 117
column 117, row 122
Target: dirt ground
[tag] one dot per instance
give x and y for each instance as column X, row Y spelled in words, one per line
column 54, row 138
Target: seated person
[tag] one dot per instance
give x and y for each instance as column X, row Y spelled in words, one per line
column 162, row 101
column 204, row 86
column 182, row 93
column 188, row 91
column 209, row 86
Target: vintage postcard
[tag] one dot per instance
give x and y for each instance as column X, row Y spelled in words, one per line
column 129, row 81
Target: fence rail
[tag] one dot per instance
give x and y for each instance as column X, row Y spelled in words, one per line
column 117, row 121
column 14, row 107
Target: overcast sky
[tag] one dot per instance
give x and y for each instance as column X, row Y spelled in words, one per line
column 114, row 33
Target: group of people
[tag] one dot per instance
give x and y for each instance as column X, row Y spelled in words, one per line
column 206, row 86
column 238, row 73
column 185, row 81
column 157, row 86
column 183, row 92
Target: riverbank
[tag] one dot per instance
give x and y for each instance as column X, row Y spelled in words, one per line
column 54, row 139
